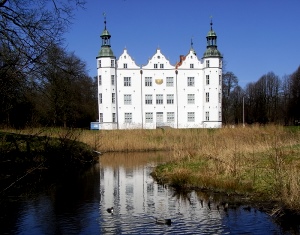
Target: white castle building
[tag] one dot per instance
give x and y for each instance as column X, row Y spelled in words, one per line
column 158, row 94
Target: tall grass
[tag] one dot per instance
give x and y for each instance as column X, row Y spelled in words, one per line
column 262, row 161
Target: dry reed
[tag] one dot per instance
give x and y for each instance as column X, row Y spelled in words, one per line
column 262, row 160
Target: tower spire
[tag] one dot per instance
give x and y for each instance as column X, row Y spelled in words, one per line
column 105, row 47
column 211, row 38
column 104, row 15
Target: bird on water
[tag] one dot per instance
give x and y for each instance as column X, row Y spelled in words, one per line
column 110, row 210
column 163, row 221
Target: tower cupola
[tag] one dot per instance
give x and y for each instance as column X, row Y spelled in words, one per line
column 211, row 48
column 105, row 50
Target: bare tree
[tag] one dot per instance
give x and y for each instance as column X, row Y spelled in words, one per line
column 230, row 82
column 27, row 28
column 294, row 103
column 68, row 93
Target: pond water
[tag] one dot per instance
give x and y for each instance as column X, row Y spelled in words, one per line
column 79, row 205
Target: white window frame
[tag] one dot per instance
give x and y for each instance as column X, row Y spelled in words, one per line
column 100, row 98
column 170, row 117
column 206, row 116
column 159, row 99
column 207, row 97
column 191, row 98
column 148, row 81
column 148, row 117
column 100, row 80
column 170, row 81
column 112, row 80
column 148, row 98
column 207, row 64
column 128, row 117
column 207, row 79
column 170, row 98
column 127, row 81
column 191, row 116
column 113, row 98
column 190, row 81
column 127, row 99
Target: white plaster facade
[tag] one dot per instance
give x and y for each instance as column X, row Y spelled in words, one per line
column 185, row 95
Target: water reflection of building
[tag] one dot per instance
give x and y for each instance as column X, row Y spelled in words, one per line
column 131, row 190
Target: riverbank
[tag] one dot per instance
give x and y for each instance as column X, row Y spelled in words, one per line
column 26, row 159
column 261, row 163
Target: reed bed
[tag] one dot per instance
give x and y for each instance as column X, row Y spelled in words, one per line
column 261, row 161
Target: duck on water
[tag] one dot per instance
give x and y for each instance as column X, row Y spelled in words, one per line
column 110, row 210
column 163, row 221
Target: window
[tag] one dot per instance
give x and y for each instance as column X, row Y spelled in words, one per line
column 112, row 79
column 127, row 81
column 220, row 116
column 113, row 98
column 161, row 66
column 170, row 81
column 170, row 117
column 148, row 99
column 155, row 66
column 207, row 64
column 113, row 117
column 207, row 79
column 191, row 66
column 128, row 117
column 220, row 98
column 159, row 99
column 127, row 99
column 191, row 98
column 207, row 97
column 149, row 117
column 100, row 80
column 100, row 98
column 148, row 81
column 112, row 63
column 125, row 66
column 101, row 117
column 220, row 80
column 190, row 81
column 220, row 63
column 191, row 117
column 99, row 63
column 170, row 98
column 207, row 116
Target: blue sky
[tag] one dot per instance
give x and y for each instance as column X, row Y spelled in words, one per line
column 255, row 37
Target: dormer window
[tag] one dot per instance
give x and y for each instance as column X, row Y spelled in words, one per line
column 161, row 66
column 125, row 66
column 155, row 66
column 191, row 66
